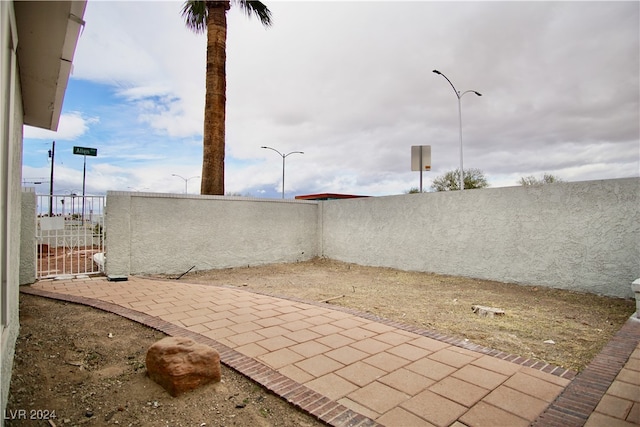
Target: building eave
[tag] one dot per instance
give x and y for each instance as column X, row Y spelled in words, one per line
column 48, row 33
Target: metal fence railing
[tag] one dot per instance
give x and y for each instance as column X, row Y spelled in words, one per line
column 69, row 232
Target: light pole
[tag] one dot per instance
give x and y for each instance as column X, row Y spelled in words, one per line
column 284, row 156
column 186, row 180
column 73, row 194
column 459, row 95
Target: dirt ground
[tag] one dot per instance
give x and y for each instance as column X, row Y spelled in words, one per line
column 68, row 372
column 66, row 361
column 579, row 324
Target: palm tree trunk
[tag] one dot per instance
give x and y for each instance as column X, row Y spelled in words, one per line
column 214, row 114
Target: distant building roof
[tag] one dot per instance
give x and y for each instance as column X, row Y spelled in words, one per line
column 327, row 196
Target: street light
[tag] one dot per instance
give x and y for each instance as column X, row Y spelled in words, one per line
column 73, row 194
column 284, row 156
column 186, row 180
column 459, row 95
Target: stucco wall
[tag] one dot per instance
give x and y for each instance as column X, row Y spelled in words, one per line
column 583, row 235
column 28, row 257
column 11, row 114
column 170, row 233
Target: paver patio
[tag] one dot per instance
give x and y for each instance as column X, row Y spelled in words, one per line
column 348, row 368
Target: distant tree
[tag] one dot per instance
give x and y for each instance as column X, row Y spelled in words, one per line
column 546, row 179
column 412, row 190
column 237, row 194
column 473, row 178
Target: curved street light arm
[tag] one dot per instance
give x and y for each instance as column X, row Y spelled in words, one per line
column 467, row 91
column 294, row 152
column 186, row 179
column 269, row 148
column 454, row 88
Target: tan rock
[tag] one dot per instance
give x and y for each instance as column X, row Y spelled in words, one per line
column 180, row 364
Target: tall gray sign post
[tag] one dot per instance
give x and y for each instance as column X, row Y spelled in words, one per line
column 84, row 151
column 421, row 159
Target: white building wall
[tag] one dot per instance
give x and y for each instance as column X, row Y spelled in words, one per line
column 10, row 195
column 583, row 235
column 170, row 233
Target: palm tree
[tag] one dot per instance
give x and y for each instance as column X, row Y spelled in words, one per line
column 211, row 16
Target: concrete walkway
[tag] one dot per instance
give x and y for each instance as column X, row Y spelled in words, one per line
column 352, row 369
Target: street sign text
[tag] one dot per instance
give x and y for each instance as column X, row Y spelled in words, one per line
column 85, row 151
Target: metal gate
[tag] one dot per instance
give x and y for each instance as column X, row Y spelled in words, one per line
column 69, row 235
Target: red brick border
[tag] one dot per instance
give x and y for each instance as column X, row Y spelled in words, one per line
column 309, row 401
column 579, row 399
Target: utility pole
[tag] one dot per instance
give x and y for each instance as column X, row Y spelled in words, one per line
column 52, row 154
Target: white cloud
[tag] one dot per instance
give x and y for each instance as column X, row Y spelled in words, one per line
column 157, row 63
column 72, row 126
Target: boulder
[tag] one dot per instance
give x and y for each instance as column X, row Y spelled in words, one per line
column 180, row 364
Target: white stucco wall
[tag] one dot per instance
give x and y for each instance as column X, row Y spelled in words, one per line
column 11, row 114
column 170, row 233
column 583, row 235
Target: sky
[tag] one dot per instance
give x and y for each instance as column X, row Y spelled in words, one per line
column 351, row 85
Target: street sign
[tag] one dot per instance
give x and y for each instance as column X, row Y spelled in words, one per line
column 85, row 151
column 420, row 157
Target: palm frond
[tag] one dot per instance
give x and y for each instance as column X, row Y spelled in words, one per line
column 194, row 13
column 257, row 8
